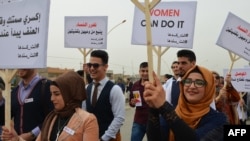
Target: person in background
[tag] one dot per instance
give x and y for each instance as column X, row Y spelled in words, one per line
column 104, row 98
column 83, row 72
column 193, row 119
column 242, row 108
column 186, row 60
column 166, row 77
column 128, row 88
column 217, row 82
column 221, row 81
column 175, row 69
column 227, row 101
column 30, row 103
column 121, row 85
column 136, row 100
column 129, row 85
column 86, row 71
column 67, row 121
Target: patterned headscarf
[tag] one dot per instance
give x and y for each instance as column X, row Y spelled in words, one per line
column 72, row 88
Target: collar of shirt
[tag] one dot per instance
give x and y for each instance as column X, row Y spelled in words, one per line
column 179, row 79
column 101, row 86
column 25, row 91
column 102, row 82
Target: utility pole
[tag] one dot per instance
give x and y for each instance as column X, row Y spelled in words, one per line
column 123, row 73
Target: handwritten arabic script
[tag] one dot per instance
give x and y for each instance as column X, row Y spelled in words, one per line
column 24, row 33
column 87, row 32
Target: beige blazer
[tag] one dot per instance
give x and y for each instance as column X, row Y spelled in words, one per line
column 82, row 126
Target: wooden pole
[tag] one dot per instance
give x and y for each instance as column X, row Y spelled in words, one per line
column 149, row 41
column 86, row 52
column 146, row 10
column 159, row 52
column 7, row 76
column 159, row 61
column 233, row 58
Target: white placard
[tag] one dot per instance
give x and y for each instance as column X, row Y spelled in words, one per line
column 86, row 32
column 24, row 33
column 240, row 78
column 172, row 25
column 235, row 36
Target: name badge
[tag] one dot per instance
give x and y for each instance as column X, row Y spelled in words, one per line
column 68, row 130
column 28, row 100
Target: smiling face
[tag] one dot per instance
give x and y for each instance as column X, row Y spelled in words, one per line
column 144, row 73
column 56, row 98
column 175, row 68
column 97, row 69
column 193, row 93
column 216, row 79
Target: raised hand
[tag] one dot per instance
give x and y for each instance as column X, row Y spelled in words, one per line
column 154, row 93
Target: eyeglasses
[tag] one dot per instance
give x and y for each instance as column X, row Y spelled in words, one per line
column 197, row 83
column 174, row 67
column 217, row 77
column 95, row 65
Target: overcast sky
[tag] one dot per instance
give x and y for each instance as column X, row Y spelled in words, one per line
column 124, row 57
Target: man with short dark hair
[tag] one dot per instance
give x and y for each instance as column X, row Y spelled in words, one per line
column 121, row 84
column 186, row 60
column 141, row 108
column 167, row 76
column 104, row 98
column 30, row 103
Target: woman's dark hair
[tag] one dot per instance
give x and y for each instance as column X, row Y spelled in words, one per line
column 53, row 83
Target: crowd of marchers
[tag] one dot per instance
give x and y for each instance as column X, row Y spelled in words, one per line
column 194, row 103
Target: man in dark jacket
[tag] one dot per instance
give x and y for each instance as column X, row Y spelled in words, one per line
column 30, row 103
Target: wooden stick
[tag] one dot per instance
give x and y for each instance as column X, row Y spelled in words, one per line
column 7, row 76
column 149, row 41
column 159, row 54
column 146, row 10
column 233, row 58
column 85, row 53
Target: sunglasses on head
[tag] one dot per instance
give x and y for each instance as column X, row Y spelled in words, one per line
column 95, row 65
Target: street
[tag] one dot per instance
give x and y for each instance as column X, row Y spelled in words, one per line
column 127, row 127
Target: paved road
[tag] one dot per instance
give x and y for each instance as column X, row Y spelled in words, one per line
column 126, row 128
